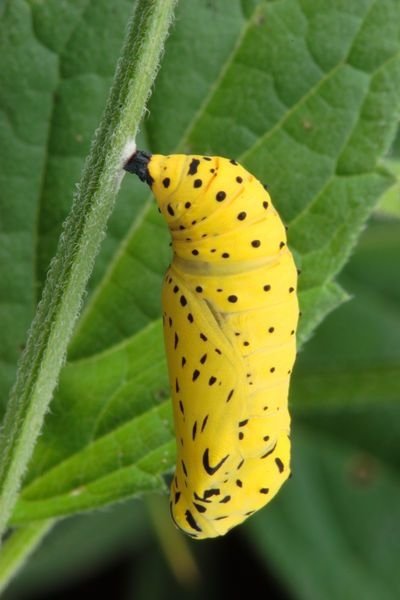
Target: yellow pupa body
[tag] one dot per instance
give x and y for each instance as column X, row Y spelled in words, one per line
column 230, row 314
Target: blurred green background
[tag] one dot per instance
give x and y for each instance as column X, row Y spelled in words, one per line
column 306, row 93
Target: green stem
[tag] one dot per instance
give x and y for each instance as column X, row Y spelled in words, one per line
column 174, row 545
column 83, row 231
column 18, row 548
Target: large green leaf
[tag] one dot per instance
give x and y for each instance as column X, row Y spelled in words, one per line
column 114, row 439
column 334, row 531
column 309, row 118
column 26, row 108
column 309, row 94
column 55, row 75
column 390, row 203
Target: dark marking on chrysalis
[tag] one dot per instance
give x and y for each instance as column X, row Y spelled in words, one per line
column 200, row 507
column 225, row 500
column 193, row 166
column 194, row 431
column 204, row 423
column 230, row 395
column 279, row 464
column 195, row 375
column 184, row 468
column 269, row 452
column 197, row 497
column 206, row 463
column 191, row 521
column 211, row 492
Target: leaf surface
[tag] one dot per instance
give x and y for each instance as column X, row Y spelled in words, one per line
column 305, row 94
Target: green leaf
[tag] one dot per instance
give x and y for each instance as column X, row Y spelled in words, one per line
column 122, row 438
column 26, row 108
column 83, row 231
column 87, row 39
column 294, row 112
column 334, row 531
column 128, row 297
column 317, row 303
column 362, row 364
column 390, row 202
column 309, row 94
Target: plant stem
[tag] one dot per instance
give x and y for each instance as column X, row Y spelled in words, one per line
column 79, row 243
column 174, row 545
column 18, row 548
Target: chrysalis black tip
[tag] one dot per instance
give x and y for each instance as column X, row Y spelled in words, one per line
column 138, row 164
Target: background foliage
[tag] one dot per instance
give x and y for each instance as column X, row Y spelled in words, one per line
column 306, row 94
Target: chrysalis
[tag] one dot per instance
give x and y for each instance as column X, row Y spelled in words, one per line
column 230, row 314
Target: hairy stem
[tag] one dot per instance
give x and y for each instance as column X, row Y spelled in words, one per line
column 79, row 243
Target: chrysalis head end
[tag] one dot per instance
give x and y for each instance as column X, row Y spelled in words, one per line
column 138, row 164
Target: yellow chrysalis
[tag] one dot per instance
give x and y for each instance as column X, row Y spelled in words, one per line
column 230, row 314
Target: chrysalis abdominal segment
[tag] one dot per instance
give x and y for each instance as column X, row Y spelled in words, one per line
column 230, row 314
